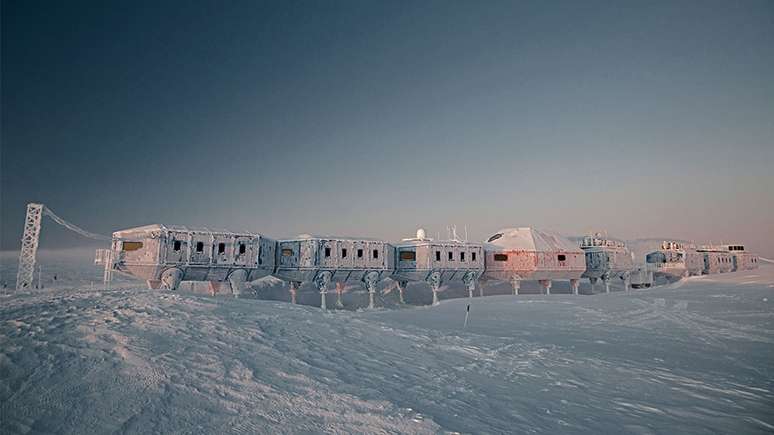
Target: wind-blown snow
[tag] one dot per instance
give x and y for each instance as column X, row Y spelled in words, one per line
column 694, row 357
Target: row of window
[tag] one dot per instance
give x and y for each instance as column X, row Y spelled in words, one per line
column 178, row 245
column 412, row 256
column 504, row 257
column 736, row 248
column 343, row 253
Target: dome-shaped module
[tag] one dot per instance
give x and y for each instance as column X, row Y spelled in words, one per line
column 437, row 262
column 675, row 259
column 166, row 255
column 324, row 260
column 606, row 258
column 519, row 254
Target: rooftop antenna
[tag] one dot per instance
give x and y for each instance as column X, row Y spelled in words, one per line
column 466, row 233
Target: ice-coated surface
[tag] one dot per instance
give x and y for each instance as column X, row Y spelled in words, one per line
column 696, row 356
column 531, row 239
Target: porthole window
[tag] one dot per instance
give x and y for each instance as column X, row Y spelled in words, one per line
column 501, row 257
column 495, row 237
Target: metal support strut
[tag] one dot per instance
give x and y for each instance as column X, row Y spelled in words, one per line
column 29, row 246
column 575, row 285
column 401, row 289
column 546, row 284
column 435, row 284
column 322, row 282
column 370, row 280
column 339, row 291
column 31, row 237
column 470, row 282
column 293, row 290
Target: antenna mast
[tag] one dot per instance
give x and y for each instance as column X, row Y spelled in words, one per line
column 29, row 246
column 31, row 239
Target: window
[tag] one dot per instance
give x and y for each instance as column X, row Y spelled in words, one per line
column 131, row 246
column 242, row 248
column 451, row 256
column 221, row 248
column 327, row 252
column 359, row 253
column 376, row 253
column 495, row 237
column 501, row 257
column 561, row 257
column 287, row 252
column 408, row 256
column 199, row 246
column 472, row 256
column 343, row 252
column 462, row 256
column 177, row 245
column 437, row 255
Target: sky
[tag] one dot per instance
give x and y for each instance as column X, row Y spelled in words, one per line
column 642, row 119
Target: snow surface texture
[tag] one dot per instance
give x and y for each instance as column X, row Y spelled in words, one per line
column 696, row 356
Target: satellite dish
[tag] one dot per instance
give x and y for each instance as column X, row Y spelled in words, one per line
column 421, row 234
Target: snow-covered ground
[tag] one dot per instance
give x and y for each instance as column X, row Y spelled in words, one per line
column 696, row 356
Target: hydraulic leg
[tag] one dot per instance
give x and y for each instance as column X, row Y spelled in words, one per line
column 470, row 282
column 371, row 279
column 339, row 291
column 322, row 281
column 516, row 284
column 237, row 280
column 401, row 289
column 170, row 278
column 575, row 285
column 546, row 284
column 293, row 290
column 435, row 284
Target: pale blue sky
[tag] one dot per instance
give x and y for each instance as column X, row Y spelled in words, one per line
column 372, row 118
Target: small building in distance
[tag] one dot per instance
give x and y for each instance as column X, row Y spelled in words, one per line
column 717, row 259
column 740, row 258
column 675, row 260
column 606, row 258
